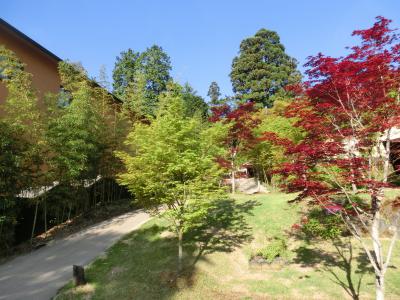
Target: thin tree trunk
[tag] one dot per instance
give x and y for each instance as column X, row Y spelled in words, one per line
column 267, row 181
column 379, row 287
column 69, row 212
column 387, row 157
column 45, row 214
column 370, row 166
column 233, row 182
column 34, row 221
column 1, row 231
column 94, row 196
column 109, row 189
column 375, row 235
column 103, row 191
column 180, row 250
column 354, row 188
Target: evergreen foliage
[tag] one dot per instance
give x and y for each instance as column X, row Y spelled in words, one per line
column 194, row 104
column 262, row 68
column 214, row 93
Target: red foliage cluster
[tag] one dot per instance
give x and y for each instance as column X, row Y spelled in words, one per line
column 243, row 121
column 345, row 104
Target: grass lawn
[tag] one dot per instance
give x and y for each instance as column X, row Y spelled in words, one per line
column 142, row 265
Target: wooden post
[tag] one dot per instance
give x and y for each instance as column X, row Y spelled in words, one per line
column 78, row 272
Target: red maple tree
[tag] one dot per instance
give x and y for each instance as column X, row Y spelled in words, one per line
column 241, row 136
column 348, row 107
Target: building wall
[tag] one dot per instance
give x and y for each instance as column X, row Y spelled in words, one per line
column 41, row 65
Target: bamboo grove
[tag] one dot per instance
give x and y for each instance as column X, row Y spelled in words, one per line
column 56, row 153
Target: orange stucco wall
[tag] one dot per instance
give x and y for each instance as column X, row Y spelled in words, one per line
column 42, row 66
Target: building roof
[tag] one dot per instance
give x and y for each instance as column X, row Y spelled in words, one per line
column 43, row 49
column 29, row 40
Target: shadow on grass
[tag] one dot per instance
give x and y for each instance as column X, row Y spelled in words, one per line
column 143, row 264
column 224, row 229
column 343, row 259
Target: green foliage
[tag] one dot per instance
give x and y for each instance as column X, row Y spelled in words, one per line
column 139, row 78
column 20, row 108
column 10, row 65
column 73, row 135
column 265, row 156
column 155, row 64
column 126, row 66
column 262, row 68
column 276, row 248
column 194, row 104
column 72, row 75
column 135, row 103
column 22, row 145
column 214, row 93
column 323, row 225
column 22, row 116
column 171, row 162
column 83, row 135
column 71, row 141
column 12, row 179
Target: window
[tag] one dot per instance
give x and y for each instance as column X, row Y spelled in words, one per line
column 64, row 98
column 10, row 65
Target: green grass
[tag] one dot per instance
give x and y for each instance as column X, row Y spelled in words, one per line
column 142, row 265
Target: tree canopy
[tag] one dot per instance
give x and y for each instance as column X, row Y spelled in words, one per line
column 346, row 108
column 262, row 68
column 171, row 162
column 149, row 70
column 214, row 93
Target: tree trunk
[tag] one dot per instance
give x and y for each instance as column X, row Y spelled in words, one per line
column 387, row 157
column 34, row 221
column 109, row 189
column 233, row 182
column 119, row 193
column 69, row 211
column 354, row 188
column 94, row 196
column 266, row 179
column 375, row 235
column 45, row 214
column 380, row 287
column 63, row 213
column 180, row 250
column 103, row 191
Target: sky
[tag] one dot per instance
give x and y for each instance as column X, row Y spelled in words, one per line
column 201, row 37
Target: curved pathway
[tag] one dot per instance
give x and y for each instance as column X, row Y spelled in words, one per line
column 39, row 274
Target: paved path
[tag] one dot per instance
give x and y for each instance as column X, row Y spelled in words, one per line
column 39, row 274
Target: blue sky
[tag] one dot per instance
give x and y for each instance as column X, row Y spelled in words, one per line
column 201, row 37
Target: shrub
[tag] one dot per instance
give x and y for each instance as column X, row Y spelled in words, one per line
column 320, row 224
column 276, row 248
